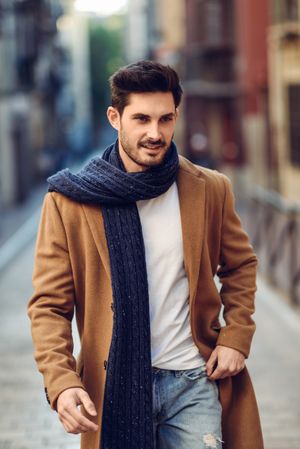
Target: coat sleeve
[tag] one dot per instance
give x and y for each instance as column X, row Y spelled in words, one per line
column 51, row 306
column 237, row 274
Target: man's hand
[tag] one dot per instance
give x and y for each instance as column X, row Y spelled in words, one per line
column 72, row 419
column 228, row 362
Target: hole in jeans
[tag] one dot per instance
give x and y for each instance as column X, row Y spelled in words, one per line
column 211, row 441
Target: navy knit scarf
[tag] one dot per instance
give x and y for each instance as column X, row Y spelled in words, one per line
column 127, row 410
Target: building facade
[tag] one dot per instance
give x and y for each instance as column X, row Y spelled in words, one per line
column 38, row 88
column 284, row 82
column 138, row 27
column 212, row 133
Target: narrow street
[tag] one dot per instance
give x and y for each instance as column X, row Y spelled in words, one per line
column 27, row 422
column 221, row 78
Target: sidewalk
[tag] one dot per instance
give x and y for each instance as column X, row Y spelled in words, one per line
column 274, row 365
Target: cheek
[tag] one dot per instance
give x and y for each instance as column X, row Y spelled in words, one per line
column 133, row 131
column 168, row 132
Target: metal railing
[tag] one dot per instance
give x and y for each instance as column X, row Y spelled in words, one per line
column 273, row 224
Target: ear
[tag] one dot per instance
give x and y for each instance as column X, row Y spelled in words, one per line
column 176, row 113
column 113, row 117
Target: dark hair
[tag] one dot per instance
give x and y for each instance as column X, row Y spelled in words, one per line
column 141, row 77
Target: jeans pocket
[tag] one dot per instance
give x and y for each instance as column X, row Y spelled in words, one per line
column 214, row 386
column 194, row 373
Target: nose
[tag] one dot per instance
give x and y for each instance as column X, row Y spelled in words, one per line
column 153, row 131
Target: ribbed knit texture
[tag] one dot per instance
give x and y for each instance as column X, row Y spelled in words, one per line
column 127, row 409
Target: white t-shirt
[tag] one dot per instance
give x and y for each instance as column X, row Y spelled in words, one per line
column 172, row 346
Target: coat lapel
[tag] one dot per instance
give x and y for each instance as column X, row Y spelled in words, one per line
column 191, row 192
column 95, row 221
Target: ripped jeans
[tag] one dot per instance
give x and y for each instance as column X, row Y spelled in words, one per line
column 186, row 410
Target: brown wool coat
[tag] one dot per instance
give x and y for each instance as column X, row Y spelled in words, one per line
column 72, row 270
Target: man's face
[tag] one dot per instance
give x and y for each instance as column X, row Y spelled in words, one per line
column 145, row 129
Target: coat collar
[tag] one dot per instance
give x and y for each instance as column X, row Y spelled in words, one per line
column 191, row 192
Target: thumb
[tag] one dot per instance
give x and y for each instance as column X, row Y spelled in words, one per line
column 211, row 362
column 87, row 403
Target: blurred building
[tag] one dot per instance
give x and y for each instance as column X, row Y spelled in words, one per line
column 39, row 92
column 75, row 103
column 167, row 31
column 275, row 214
column 166, row 23
column 155, row 30
column 212, row 120
column 251, row 72
column 137, row 36
column 284, row 81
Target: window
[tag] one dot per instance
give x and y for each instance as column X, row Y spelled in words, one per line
column 214, row 22
column 285, row 10
column 291, row 10
column 211, row 22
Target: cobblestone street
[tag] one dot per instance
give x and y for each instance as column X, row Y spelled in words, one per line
column 28, row 423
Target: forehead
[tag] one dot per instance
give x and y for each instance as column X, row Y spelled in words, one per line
column 150, row 103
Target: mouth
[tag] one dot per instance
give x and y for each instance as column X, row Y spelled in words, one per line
column 154, row 147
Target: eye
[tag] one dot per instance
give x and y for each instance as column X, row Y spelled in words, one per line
column 166, row 119
column 142, row 119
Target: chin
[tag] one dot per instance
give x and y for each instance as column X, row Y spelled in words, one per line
column 153, row 161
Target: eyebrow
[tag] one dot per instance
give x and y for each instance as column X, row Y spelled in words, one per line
column 140, row 114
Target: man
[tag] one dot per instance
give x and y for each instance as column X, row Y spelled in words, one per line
column 132, row 243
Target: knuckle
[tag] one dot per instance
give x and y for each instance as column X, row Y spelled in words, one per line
column 222, row 368
column 62, row 407
column 68, row 407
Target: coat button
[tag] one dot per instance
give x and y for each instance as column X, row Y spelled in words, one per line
column 105, row 364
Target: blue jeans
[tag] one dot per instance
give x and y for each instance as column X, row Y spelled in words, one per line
column 186, row 410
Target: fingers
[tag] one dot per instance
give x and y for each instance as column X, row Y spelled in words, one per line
column 223, row 371
column 70, row 424
column 87, row 403
column 74, row 422
column 72, row 419
column 211, row 362
column 228, row 362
